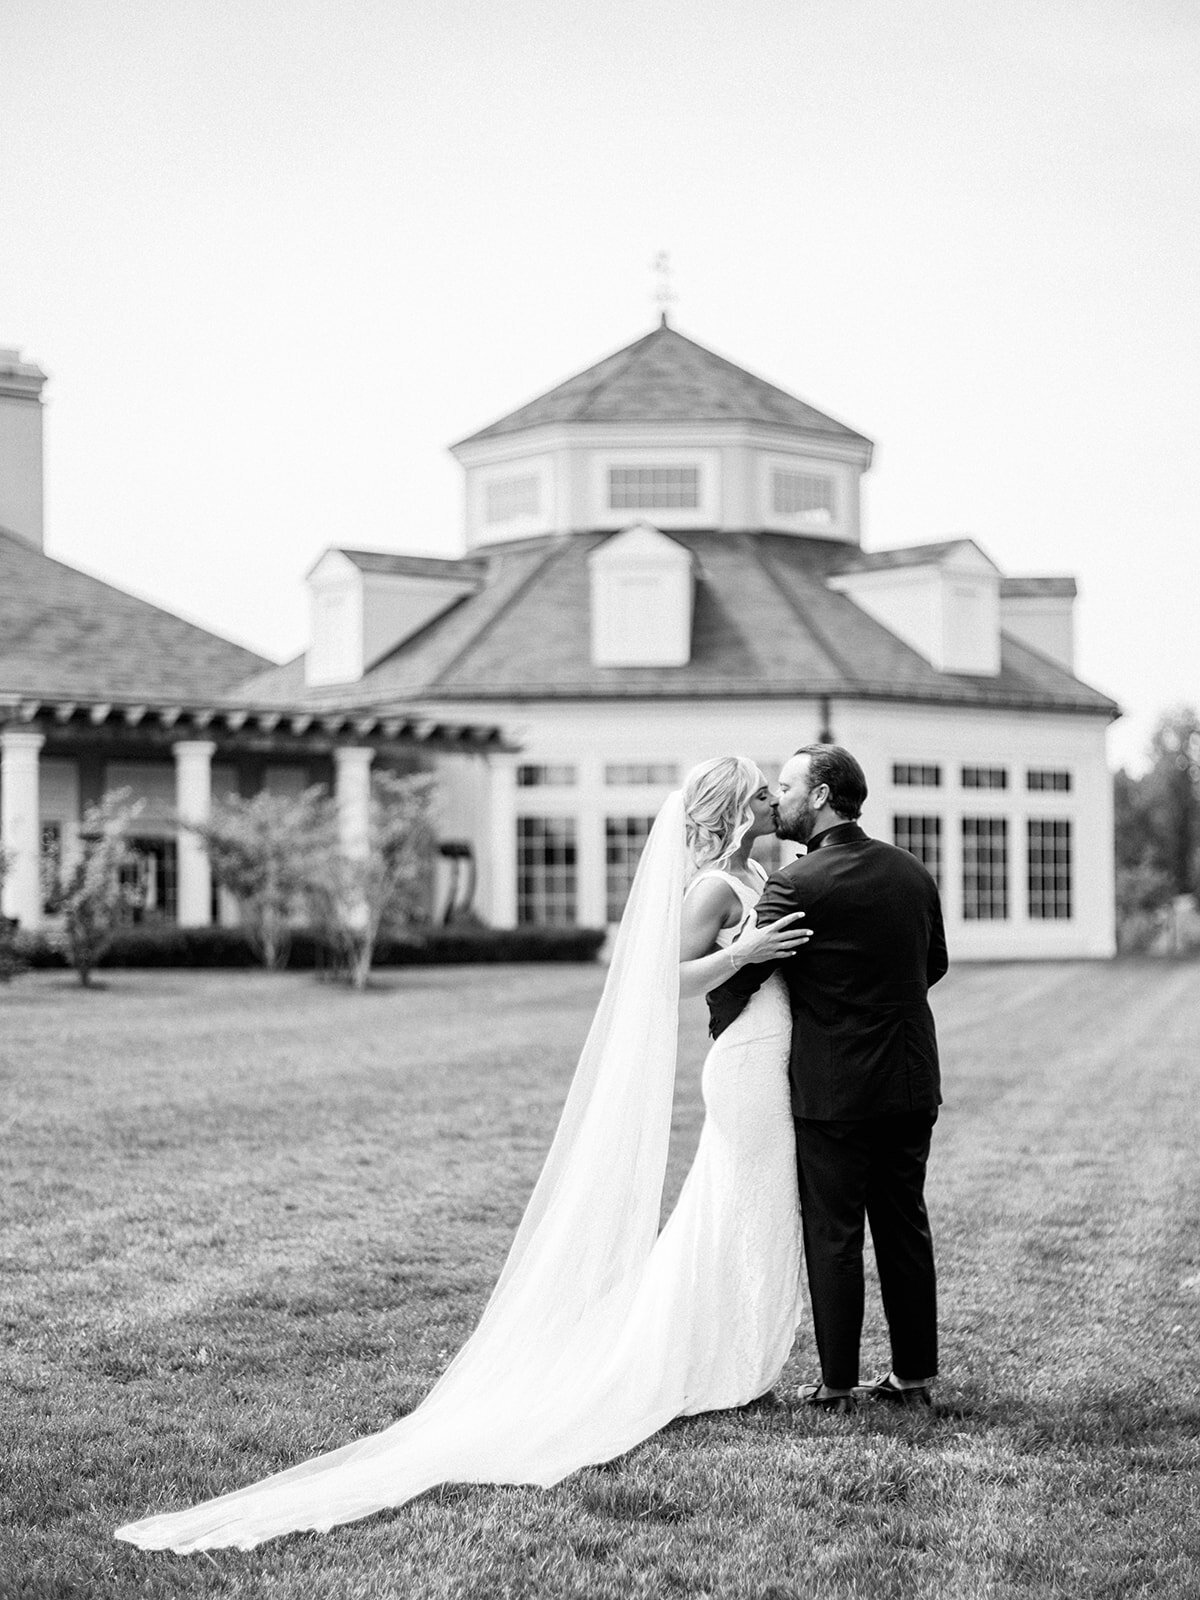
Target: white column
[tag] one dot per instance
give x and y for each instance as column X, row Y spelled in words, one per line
column 193, row 803
column 498, row 869
column 352, row 791
column 20, row 825
column 591, row 873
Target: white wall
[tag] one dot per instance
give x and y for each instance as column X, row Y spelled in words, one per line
column 590, row 736
column 882, row 735
column 572, row 465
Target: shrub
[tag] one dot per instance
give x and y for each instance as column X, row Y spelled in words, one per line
column 160, row 945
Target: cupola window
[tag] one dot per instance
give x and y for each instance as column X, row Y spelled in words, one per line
column 653, row 488
column 506, row 499
column 806, row 495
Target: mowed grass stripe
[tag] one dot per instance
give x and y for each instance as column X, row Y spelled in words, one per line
column 246, row 1219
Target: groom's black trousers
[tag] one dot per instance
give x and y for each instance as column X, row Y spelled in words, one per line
column 872, row 1169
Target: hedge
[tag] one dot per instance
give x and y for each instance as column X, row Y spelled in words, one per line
column 164, row 945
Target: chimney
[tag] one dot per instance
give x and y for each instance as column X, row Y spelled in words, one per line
column 21, row 447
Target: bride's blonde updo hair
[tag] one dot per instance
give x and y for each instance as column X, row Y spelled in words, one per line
column 716, row 808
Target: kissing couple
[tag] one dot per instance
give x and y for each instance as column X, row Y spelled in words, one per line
column 820, row 1091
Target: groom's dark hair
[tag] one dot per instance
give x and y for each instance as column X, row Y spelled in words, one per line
column 837, row 768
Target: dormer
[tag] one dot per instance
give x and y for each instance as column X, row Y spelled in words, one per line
column 1040, row 612
column 671, row 431
column 942, row 599
column 642, row 591
column 363, row 604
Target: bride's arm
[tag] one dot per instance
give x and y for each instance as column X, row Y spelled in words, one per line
column 711, row 906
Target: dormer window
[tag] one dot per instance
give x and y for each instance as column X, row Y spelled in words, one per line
column 506, row 499
column 808, row 496
column 665, row 488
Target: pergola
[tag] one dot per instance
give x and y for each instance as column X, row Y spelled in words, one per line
column 335, row 747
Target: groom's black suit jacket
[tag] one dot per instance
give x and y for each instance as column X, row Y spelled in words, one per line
column 863, row 1040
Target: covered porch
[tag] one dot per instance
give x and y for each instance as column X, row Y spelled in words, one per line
column 58, row 756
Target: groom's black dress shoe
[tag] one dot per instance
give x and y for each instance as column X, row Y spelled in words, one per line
column 809, row 1394
column 884, row 1389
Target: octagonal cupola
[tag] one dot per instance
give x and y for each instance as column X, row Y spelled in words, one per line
column 669, row 432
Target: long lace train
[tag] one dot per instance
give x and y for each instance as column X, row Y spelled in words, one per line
column 596, row 1335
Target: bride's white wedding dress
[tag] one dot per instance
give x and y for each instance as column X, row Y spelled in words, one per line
column 597, row 1334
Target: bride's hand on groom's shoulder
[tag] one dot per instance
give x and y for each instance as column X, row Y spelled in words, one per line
column 774, row 941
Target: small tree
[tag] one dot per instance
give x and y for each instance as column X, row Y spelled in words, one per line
column 10, row 959
column 353, row 900
column 99, row 891
column 264, row 851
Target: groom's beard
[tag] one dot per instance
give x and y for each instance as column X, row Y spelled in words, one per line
column 798, row 828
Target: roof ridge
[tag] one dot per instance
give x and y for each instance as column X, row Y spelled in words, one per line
column 629, row 351
column 745, row 372
column 574, row 377
column 552, row 553
column 800, row 610
column 1059, row 666
column 685, row 381
column 29, row 549
column 418, row 633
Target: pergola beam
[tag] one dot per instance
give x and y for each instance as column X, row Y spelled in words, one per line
column 278, row 731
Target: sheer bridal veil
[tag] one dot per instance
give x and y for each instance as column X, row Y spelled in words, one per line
column 512, row 1406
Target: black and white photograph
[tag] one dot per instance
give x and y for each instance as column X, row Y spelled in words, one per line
column 600, row 800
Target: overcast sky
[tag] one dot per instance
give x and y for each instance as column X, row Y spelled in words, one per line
column 277, row 254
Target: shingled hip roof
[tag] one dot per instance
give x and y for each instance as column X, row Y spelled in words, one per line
column 766, row 624
column 63, row 632
column 666, row 377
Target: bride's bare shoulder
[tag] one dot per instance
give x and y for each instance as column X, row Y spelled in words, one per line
column 710, row 896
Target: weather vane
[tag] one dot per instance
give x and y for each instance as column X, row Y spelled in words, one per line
column 664, row 294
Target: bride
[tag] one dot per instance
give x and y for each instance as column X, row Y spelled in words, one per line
column 598, row 1333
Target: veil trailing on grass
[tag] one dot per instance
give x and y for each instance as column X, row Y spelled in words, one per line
column 520, row 1402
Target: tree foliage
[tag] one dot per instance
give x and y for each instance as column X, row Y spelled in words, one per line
column 266, row 851
column 354, row 900
column 99, row 889
column 1157, row 818
column 281, row 858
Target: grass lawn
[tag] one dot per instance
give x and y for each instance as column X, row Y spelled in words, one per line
column 245, row 1219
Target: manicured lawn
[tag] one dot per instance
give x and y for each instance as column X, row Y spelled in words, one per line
column 246, row 1219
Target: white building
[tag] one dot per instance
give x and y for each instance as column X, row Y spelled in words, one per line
column 101, row 691
column 663, row 563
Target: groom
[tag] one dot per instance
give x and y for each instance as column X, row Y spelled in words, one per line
column 864, row 1070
